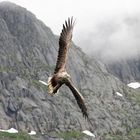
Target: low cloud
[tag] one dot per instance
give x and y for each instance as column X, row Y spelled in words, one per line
column 113, row 39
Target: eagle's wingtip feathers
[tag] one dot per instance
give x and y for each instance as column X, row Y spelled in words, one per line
column 69, row 23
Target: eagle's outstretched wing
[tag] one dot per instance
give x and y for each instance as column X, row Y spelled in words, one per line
column 79, row 98
column 64, row 44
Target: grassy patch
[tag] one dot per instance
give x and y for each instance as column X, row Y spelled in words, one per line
column 137, row 96
column 71, row 134
column 113, row 137
column 16, row 136
column 134, row 134
column 133, row 95
column 4, row 69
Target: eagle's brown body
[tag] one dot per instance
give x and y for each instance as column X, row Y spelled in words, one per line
column 60, row 75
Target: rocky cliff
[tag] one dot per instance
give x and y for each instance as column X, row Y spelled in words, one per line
column 127, row 70
column 28, row 52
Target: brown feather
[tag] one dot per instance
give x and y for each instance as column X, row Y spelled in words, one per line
column 79, row 98
column 64, row 44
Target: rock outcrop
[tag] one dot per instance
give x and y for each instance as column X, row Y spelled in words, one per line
column 127, row 70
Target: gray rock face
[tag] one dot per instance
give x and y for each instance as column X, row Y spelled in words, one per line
column 28, row 52
column 126, row 70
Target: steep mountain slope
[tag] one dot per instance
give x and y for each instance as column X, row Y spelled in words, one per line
column 127, row 70
column 28, row 52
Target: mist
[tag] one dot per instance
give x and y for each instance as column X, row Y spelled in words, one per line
column 112, row 39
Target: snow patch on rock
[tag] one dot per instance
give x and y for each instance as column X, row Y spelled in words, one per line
column 87, row 132
column 11, row 130
column 134, row 85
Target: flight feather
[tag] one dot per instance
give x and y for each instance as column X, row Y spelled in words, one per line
column 79, row 98
column 64, row 44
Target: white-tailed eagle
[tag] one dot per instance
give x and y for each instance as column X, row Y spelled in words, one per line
column 60, row 75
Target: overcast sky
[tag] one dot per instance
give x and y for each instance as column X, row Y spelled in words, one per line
column 89, row 14
column 54, row 12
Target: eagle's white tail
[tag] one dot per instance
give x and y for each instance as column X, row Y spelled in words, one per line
column 50, row 87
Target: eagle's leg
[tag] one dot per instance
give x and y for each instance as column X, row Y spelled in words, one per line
column 52, row 89
column 55, row 89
